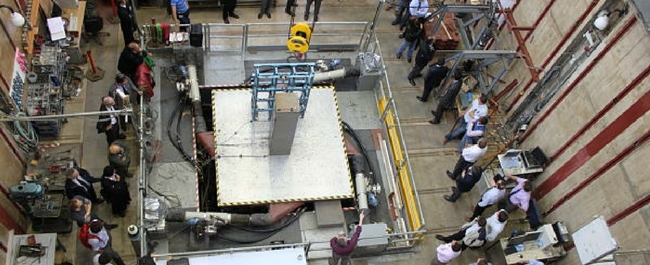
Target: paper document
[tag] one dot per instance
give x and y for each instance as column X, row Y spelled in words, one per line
column 55, row 25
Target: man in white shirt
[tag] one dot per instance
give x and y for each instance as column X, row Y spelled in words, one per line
column 101, row 241
column 497, row 222
column 418, row 8
column 468, row 157
column 490, row 197
column 108, row 123
column 472, row 234
column 476, row 110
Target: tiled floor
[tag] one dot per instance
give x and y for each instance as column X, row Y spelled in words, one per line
column 429, row 162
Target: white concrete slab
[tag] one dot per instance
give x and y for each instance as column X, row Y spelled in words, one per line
column 316, row 169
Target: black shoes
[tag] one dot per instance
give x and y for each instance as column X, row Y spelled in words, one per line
column 121, row 136
column 225, row 21
column 450, row 175
column 268, row 14
column 259, row 16
column 315, row 18
column 421, row 99
column 110, row 226
column 408, row 60
column 434, row 121
column 289, row 12
column 395, row 22
column 442, row 238
column 233, row 15
column 449, row 199
column 306, row 17
column 412, row 82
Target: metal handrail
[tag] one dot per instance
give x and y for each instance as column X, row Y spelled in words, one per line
column 385, row 91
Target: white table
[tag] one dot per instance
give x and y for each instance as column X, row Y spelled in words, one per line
column 46, row 240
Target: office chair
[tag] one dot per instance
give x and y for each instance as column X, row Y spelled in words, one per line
column 93, row 24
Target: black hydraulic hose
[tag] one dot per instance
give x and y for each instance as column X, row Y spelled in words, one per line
column 364, row 151
column 270, row 232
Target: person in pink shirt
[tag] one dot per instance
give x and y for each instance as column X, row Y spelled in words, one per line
column 519, row 196
column 343, row 247
column 445, row 253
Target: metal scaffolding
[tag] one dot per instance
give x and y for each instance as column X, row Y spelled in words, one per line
column 280, row 77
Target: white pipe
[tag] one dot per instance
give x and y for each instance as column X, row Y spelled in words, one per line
column 362, row 197
column 194, row 83
column 322, row 76
column 226, row 217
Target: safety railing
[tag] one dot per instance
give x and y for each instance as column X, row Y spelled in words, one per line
column 254, row 37
column 402, row 169
column 395, row 243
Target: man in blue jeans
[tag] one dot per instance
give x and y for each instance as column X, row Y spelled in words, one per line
column 180, row 12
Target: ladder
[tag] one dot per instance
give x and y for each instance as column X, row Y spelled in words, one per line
column 280, row 77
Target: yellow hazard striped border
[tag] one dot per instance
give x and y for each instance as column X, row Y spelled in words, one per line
column 259, row 202
column 408, row 195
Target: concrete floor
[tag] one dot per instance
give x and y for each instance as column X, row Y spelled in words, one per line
column 430, row 158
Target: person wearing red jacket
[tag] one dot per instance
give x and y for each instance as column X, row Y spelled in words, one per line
column 343, row 247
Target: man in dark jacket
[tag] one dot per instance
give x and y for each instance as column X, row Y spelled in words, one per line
column 80, row 183
column 109, row 123
column 342, row 247
column 424, row 55
column 433, row 78
column 118, row 157
column 447, row 98
column 130, row 58
column 125, row 13
column 465, row 182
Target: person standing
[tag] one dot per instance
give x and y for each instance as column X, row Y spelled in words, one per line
column 475, row 130
column 497, row 222
column 471, row 234
column 102, row 259
column 288, row 8
column 433, row 78
column 468, row 157
column 519, row 196
column 424, row 55
column 411, row 35
column 116, row 191
column 180, row 13
column 399, row 12
column 343, row 247
column 80, row 183
column 100, row 241
column 108, row 122
column 316, row 9
column 265, row 9
column 490, row 197
column 465, row 182
column 118, row 158
column 228, row 10
column 125, row 13
column 445, row 253
column 81, row 211
column 418, row 8
column 124, row 91
column 476, row 110
column 447, row 99
column 131, row 57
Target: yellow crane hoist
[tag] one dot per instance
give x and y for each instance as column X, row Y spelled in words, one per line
column 299, row 36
